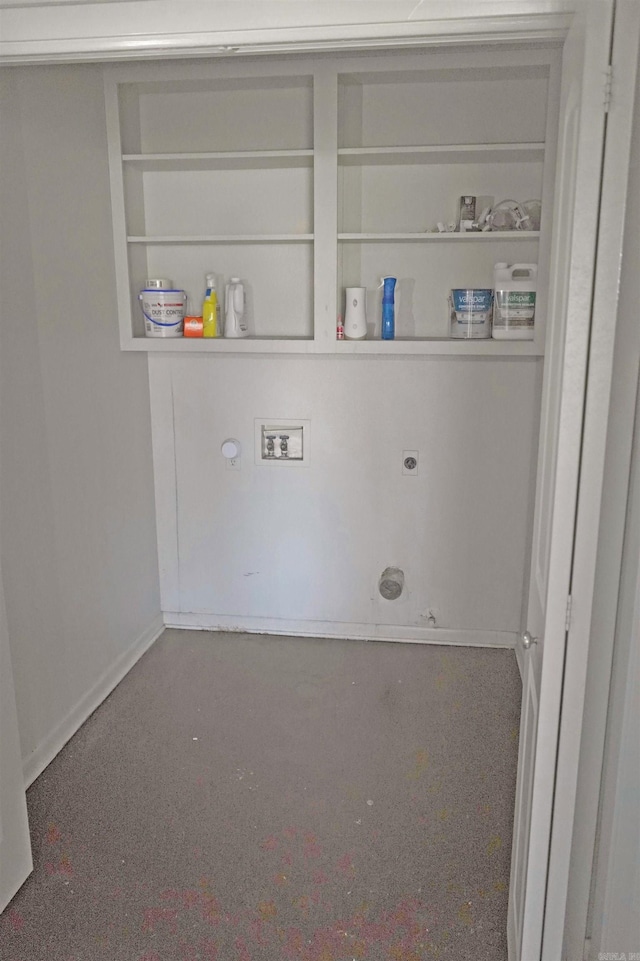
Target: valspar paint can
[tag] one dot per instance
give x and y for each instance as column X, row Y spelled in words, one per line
column 163, row 308
column 470, row 312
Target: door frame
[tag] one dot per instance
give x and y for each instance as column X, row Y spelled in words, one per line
column 600, row 522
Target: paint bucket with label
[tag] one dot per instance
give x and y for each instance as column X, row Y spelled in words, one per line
column 515, row 301
column 163, row 308
column 470, row 311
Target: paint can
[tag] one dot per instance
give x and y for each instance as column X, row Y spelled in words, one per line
column 163, row 308
column 470, row 310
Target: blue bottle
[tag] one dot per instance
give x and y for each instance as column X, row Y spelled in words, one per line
column 388, row 308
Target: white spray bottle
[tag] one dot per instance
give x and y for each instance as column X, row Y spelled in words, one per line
column 235, row 324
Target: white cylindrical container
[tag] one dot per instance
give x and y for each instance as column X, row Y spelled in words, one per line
column 235, row 324
column 163, row 308
column 470, row 313
column 514, row 301
column 355, row 315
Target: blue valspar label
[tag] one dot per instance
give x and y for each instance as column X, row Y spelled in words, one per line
column 473, row 299
column 471, row 309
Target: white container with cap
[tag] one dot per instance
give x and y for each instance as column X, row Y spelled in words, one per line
column 235, row 324
column 163, row 308
column 514, row 302
column 355, row 314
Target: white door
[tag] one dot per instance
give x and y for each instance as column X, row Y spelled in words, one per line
column 15, row 848
column 577, row 193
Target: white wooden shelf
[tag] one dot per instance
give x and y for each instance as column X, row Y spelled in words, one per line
column 228, row 160
column 220, row 345
column 223, row 239
column 445, row 346
column 434, row 346
column 428, row 237
column 443, row 154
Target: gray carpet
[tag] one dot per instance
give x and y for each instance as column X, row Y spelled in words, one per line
column 253, row 798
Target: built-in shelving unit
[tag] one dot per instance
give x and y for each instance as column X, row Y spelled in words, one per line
column 305, row 176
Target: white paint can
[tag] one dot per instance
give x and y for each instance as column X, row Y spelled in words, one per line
column 470, row 311
column 163, row 308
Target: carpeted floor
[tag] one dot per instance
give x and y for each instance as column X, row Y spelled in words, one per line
column 252, row 798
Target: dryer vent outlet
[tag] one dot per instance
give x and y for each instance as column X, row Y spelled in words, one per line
column 391, row 583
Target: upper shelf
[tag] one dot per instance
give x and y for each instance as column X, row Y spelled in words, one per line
column 227, row 160
column 443, row 154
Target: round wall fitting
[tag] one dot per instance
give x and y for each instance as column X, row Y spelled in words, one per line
column 391, row 583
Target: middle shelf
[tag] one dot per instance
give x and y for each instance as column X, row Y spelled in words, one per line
column 470, row 237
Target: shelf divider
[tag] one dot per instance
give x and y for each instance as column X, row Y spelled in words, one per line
column 325, row 204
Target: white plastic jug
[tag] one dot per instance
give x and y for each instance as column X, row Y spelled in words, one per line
column 514, row 301
column 235, row 324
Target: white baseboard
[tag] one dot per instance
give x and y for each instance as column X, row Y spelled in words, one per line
column 38, row 760
column 337, row 629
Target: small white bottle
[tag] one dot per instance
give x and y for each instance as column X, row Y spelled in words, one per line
column 235, row 324
column 514, row 301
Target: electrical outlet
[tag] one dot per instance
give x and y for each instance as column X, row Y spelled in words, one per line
column 234, row 463
column 410, row 462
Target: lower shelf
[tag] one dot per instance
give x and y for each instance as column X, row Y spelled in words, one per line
column 442, row 346
column 401, row 346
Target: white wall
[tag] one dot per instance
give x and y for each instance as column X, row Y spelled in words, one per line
column 76, row 501
column 288, row 548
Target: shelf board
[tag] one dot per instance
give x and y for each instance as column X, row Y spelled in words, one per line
column 442, row 346
column 221, row 345
column 236, row 160
column 433, row 346
column 428, row 237
column 443, row 154
column 223, row 239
